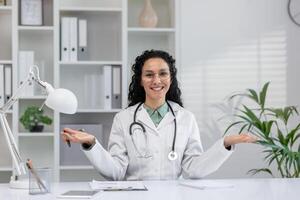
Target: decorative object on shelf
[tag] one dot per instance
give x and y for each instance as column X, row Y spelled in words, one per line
column 148, row 17
column 274, row 132
column 34, row 118
column 32, row 12
column 60, row 100
column 293, row 8
column 2, row 2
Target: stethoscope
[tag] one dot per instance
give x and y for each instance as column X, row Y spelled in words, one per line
column 172, row 155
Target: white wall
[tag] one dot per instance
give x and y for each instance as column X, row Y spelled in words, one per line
column 233, row 45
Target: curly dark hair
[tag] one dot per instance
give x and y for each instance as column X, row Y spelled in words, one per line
column 136, row 90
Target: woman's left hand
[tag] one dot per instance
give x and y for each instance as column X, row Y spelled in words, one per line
column 241, row 138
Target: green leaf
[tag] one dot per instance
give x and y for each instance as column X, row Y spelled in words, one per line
column 255, row 171
column 253, row 95
column 243, row 127
column 262, row 95
column 232, row 125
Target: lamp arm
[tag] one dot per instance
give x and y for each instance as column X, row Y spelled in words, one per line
column 13, row 148
column 14, row 151
column 32, row 76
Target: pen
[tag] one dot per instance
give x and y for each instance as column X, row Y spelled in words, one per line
column 68, row 143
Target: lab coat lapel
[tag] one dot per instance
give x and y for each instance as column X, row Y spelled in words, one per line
column 144, row 118
column 169, row 118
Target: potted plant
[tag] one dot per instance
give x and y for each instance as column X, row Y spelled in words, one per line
column 271, row 125
column 33, row 119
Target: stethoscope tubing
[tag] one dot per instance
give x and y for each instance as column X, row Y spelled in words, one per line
column 172, row 155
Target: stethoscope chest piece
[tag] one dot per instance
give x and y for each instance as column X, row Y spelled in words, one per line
column 172, row 155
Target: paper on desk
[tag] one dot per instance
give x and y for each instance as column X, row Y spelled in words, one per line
column 206, row 185
column 117, row 185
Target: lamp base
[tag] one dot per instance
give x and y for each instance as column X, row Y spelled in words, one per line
column 17, row 183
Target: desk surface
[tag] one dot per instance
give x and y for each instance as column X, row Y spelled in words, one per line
column 242, row 189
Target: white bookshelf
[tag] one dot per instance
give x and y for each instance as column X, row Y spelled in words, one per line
column 35, row 28
column 42, row 134
column 97, row 9
column 151, row 30
column 98, row 111
column 91, row 63
column 77, row 167
column 8, row 62
column 114, row 38
column 5, row 8
column 5, row 169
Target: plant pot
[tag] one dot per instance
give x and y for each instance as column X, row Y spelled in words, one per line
column 38, row 128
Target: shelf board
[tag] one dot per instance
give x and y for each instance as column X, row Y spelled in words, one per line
column 90, row 63
column 98, row 111
column 4, row 169
column 5, row 62
column 150, row 30
column 34, row 28
column 5, row 8
column 100, row 9
column 33, row 97
column 42, row 134
column 77, row 167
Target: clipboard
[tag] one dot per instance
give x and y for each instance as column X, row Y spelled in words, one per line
column 118, row 185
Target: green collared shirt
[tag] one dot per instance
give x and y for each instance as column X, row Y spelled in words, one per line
column 158, row 114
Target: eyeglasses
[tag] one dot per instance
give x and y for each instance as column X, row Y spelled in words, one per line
column 163, row 75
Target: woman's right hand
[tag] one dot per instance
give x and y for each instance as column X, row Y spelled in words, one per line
column 77, row 136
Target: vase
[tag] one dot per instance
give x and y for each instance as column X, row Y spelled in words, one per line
column 148, row 17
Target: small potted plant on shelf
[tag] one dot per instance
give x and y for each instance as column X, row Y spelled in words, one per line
column 33, row 119
column 274, row 130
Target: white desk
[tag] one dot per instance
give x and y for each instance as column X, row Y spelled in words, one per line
column 243, row 189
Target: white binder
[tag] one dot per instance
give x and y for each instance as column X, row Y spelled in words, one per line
column 7, row 82
column 107, row 74
column 65, row 39
column 26, row 60
column 73, row 39
column 116, row 92
column 1, row 85
column 82, row 43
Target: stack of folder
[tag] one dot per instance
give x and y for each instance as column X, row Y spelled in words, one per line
column 73, row 39
column 5, row 83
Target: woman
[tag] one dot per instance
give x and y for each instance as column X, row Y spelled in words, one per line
column 155, row 137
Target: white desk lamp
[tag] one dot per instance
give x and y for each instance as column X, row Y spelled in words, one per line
column 61, row 100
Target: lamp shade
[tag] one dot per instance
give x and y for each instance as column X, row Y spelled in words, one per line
column 62, row 100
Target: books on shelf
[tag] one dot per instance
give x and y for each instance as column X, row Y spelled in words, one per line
column 64, row 39
column 116, row 87
column 5, row 83
column 2, row 100
column 107, row 83
column 73, row 39
column 32, row 12
column 109, row 96
column 82, row 39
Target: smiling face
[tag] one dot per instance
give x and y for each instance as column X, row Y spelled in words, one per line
column 156, row 80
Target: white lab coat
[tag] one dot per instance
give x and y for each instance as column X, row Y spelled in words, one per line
column 122, row 161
